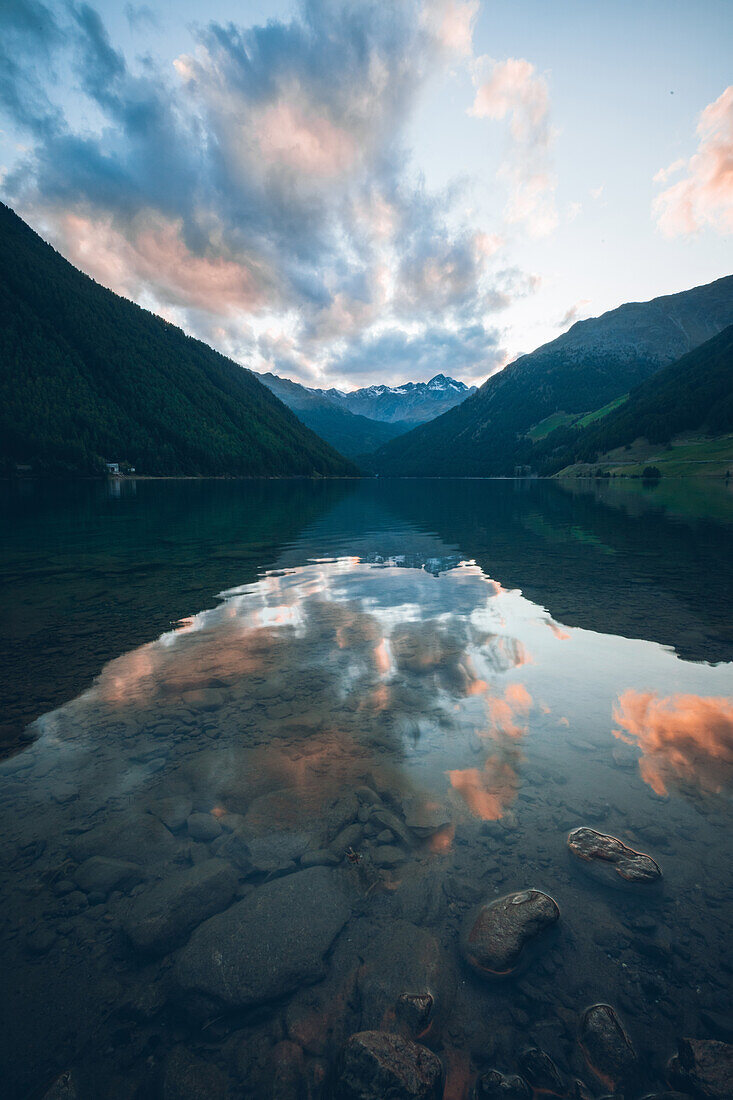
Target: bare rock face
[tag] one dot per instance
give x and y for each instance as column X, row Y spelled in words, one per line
column 703, row 1066
column 375, row 1065
column 607, row 1048
column 494, row 936
column 609, row 854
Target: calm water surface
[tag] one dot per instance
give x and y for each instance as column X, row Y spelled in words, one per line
column 210, row 674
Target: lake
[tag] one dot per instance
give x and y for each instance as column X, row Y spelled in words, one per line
column 272, row 748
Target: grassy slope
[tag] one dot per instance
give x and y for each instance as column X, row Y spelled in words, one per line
column 86, row 375
column 685, row 456
column 674, row 420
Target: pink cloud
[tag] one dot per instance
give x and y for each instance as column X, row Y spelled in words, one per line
column 574, row 313
column 287, row 136
column 514, row 90
column 451, row 22
column 703, row 198
column 154, row 254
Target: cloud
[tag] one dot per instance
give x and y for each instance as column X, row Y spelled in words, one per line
column 28, row 29
column 140, row 17
column 515, row 91
column 470, row 352
column 703, row 198
column 259, row 191
column 451, row 22
column 574, row 313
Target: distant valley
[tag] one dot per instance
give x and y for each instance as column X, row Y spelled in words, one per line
column 360, row 421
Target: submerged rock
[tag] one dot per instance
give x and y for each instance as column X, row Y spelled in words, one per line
column 498, row 1086
column 541, row 1072
column 387, row 820
column 135, row 838
column 608, row 852
column 161, row 918
column 415, row 1012
column 276, row 854
column 266, row 945
column 404, row 980
column 319, row 857
column 608, row 1049
column 388, row 855
column 203, row 827
column 704, row 1066
column 102, row 875
column 189, row 1078
column 375, row 1065
column 494, row 936
column 425, row 817
column 173, row 811
column 40, row 941
column 350, row 837
column 287, row 1069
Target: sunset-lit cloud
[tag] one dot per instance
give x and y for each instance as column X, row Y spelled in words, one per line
column 703, row 197
column 260, row 186
column 515, row 91
column 337, row 190
column 451, row 21
column 685, row 740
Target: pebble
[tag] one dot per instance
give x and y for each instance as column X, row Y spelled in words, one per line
column 493, row 937
column 608, row 853
column 203, row 827
column 376, row 1064
column 607, row 1048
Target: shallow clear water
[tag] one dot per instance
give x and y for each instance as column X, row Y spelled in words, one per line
column 499, row 662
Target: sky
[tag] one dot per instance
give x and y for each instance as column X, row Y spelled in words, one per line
column 349, row 192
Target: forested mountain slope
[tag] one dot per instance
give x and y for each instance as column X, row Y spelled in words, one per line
column 693, row 394
column 87, row 376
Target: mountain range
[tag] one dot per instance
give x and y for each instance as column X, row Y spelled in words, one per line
column 87, row 377
column 583, row 371
column 360, row 421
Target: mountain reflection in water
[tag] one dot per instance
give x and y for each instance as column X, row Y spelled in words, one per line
column 503, row 663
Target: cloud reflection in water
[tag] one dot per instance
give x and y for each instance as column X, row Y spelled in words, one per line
column 686, row 740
